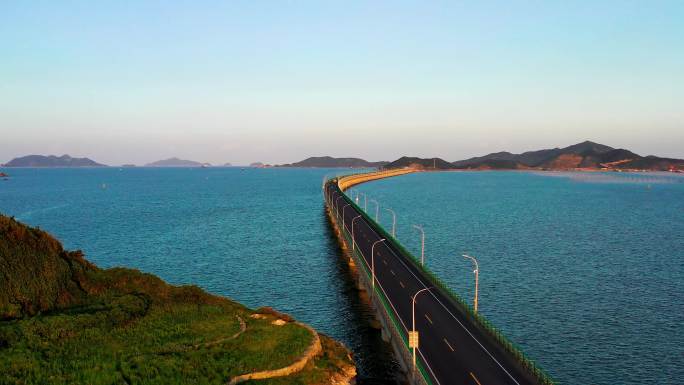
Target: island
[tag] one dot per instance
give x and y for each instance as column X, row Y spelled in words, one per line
column 176, row 162
column 585, row 156
column 52, row 161
column 330, row 162
column 64, row 320
column 259, row 165
column 419, row 163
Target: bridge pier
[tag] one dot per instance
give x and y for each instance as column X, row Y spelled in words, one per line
column 382, row 318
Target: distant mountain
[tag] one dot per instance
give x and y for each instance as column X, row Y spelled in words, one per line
column 425, row 163
column 175, row 162
column 257, row 164
column 585, row 155
column 227, row 165
column 330, row 162
column 52, row 161
column 532, row 158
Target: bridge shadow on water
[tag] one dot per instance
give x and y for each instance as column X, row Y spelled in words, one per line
column 374, row 360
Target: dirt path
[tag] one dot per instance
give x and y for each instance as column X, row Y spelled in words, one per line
column 312, row 351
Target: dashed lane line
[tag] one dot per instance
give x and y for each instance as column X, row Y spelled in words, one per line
column 448, row 344
column 475, row 378
column 452, row 315
column 401, row 320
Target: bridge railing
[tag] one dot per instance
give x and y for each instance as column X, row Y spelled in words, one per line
column 396, row 326
column 526, row 362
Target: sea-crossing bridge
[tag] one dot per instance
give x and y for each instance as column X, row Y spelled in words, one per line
column 437, row 337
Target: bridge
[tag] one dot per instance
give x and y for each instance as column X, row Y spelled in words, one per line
column 436, row 336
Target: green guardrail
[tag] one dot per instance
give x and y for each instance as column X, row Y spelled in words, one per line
column 388, row 308
column 360, row 261
column 526, row 362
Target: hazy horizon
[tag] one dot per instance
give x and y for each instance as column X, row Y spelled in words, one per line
column 294, row 161
column 277, row 82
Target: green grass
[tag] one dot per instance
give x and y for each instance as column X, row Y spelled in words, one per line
column 317, row 372
column 111, row 342
column 65, row 321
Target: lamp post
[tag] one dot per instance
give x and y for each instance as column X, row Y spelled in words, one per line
column 394, row 221
column 354, row 239
column 337, row 205
column 365, row 202
column 422, row 244
column 477, row 273
column 331, row 196
column 373, row 260
column 413, row 340
column 343, row 208
column 331, row 193
column 377, row 208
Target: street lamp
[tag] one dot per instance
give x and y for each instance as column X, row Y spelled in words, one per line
column 337, row 205
column 422, row 244
column 377, row 208
column 343, row 208
column 413, row 339
column 477, row 273
column 394, row 221
column 331, row 194
column 365, row 202
column 354, row 239
column 373, row 260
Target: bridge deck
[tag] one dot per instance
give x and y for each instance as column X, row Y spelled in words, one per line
column 453, row 349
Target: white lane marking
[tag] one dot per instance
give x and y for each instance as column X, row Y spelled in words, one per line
column 428, row 318
column 403, row 324
column 402, row 285
column 440, row 302
column 392, row 271
column 420, row 352
column 475, row 378
column 448, row 344
column 454, row 317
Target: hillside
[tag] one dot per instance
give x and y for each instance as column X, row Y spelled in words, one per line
column 175, row 162
column 52, row 161
column 330, row 162
column 424, row 163
column 585, row 155
column 63, row 320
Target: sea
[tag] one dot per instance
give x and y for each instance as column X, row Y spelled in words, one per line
column 583, row 271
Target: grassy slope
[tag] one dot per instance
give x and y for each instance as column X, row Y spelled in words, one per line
column 65, row 321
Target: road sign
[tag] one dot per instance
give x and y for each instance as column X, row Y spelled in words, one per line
column 413, row 339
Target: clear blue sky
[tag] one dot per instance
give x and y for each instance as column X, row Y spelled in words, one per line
column 231, row 81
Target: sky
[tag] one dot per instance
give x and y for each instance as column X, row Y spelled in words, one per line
column 276, row 82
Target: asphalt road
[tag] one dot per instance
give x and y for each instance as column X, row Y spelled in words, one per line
column 452, row 348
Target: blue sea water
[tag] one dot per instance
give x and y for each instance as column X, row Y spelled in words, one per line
column 259, row 236
column 584, row 271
